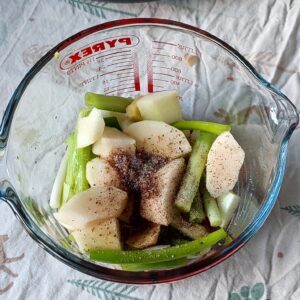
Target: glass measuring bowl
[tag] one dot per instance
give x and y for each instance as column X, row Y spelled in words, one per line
column 131, row 57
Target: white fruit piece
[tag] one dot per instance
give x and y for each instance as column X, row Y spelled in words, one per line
column 113, row 141
column 157, row 206
column 55, row 197
column 90, row 128
column 228, row 204
column 94, row 204
column 160, row 106
column 148, row 237
column 159, row 138
column 105, row 235
column 100, row 173
column 224, row 161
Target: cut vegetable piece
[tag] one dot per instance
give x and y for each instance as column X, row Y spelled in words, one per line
column 128, row 210
column 191, row 230
column 94, row 204
column 212, row 210
column 155, row 266
column 113, row 103
column 90, row 128
column 56, row 193
column 75, row 180
column 160, row 106
column 224, row 162
column 114, row 141
column 197, row 214
column 125, row 123
column 133, row 112
column 148, row 237
column 159, row 138
column 112, row 122
column 158, row 205
column 191, row 179
column 210, row 127
column 100, row 173
column 158, row 255
column 228, row 204
column 105, row 235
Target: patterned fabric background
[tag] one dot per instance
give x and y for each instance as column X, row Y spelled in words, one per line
column 268, row 34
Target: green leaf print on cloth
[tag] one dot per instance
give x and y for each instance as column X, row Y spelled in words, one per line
column 97, row 9
column 293, row 210
column 247, row 293
column 106, row 290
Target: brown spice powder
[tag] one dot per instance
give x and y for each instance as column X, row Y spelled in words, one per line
column 136, row 171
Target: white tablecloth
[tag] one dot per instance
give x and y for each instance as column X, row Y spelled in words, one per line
column 268, row 34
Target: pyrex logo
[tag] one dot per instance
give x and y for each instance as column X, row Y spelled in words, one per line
column 83, row 53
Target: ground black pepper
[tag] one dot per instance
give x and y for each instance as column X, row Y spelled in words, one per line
column 136, row 171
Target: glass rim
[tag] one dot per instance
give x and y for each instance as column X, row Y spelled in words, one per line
column 142, row 277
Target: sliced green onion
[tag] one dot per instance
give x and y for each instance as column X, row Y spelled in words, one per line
column 212, row 210
column 210, row 127
column 112, row 122
column 154, row 266
column 112, row 103
column 197, row 214
column 193, row 173
column 158, row 255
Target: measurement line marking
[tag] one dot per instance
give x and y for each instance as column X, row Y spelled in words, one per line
column 120, row 78
column 120, row 66
column 116, row 71
column 158, row 48
column 156, row 60
column 158, row 86
column 132, row 90
column 120, row 59
column 166, row 43
column 162, row 67
column 163, row 74
column 162, row 90
column 124, row 56
column 137, row 84
column 126, row 80
column 110, row 54
column 161, row 54
column 161, row 80
column 120, row 85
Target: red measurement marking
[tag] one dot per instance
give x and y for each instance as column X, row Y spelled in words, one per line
column 158, row 60
column 164, row 74
column 161, row 54
column 132, row 90
column 111, row 54
column 116, row 71
column 162, row 67
column 137, row 84
column 160, row 42
column 120, row 78
column 150, row 76
column 161, row 80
